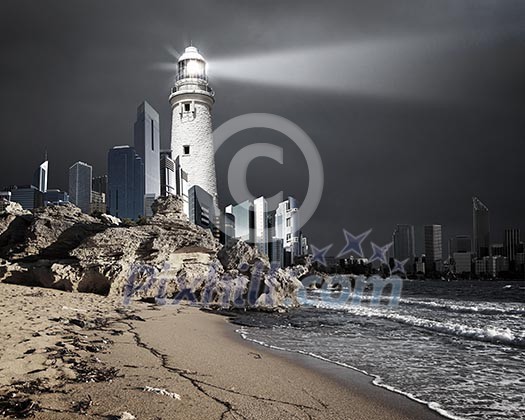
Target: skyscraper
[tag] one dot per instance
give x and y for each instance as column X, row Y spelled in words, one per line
column 260, row 211
column 480, row 228
column 191, row 101
column 100, row 184
column 147, row 146
column 433, row 248
column 404, row 244
column 202, row 208
column 40, row 176
column 167, row 174
column 286, row 228
column 125, row 183
column 80, row 176
column 512, row 243
column 244, row 221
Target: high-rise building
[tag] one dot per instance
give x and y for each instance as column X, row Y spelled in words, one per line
column 28, row 196
column 100, row 184
column 191, row 101
column 244, row 221
column 404, row 244
column 512, row 243
column 125, row 183
column 481, row 228
column 260, row 212
column 202, row 208
column 40, row 176
column 497, row 250
column 462, row 262
column 228, row 229
column 167, row 174
column 286, row 227
column 147, row 146
column 80, row 177
column 98, row 202
column 173, row 179
column 433, row 248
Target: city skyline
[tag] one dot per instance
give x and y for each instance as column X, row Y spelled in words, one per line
column 376, row 148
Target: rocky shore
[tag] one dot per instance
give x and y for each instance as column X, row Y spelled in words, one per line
column 161, row 257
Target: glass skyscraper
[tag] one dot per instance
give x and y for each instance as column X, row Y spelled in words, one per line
column 125, row 183
column 40, row 176
column 80, row 175
column 481, row 228
column 433, row 247
column 404, row 244
column 147, row 146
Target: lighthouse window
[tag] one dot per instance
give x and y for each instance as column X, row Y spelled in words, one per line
column 187, row 107
column 186, row 150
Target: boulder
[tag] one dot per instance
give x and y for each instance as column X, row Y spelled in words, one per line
column 160, row 257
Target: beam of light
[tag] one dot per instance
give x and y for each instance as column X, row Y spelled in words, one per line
column 401, row 67
column 172, row 51
column 426, row 67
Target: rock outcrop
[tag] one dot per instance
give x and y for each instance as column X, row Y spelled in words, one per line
column 163, row 257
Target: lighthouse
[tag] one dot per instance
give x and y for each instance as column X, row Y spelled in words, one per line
column 191, row 102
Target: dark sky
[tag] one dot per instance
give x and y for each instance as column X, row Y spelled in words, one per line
column 434, row 111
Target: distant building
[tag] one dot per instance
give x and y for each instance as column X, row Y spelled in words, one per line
column 55, row 197
column 286, row 227
column 520, row 262
column 98, row 202
column 491, row 266
column 420, row 265
column 512, row 243
column 182, row 186
column 40, row 176
column 459, row 243
column 244, row 221
column 80, row 176
column 433, row 247
column 147, row 146
column 305, row 247
column 228, row 229
column 100, row 184
column 481, row 228
column 202, row 208
column 404, row 245
column 480, row 266
column 462, row 262
column 28, row 196
column 277, row 253
column 125, row 183
column 173, row 179
column 497, row 250
column 260, row 212
column 167, row 174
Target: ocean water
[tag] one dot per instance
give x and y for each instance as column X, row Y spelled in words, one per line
column 458, row 347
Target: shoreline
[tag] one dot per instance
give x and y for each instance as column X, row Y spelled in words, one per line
column 96, row 359
column 348, row 376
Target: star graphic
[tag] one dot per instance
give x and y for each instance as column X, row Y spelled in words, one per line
column 319, row 254
column 354, row 243
column 399, row 266
column 379, row 253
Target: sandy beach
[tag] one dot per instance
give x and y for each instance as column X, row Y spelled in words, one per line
column 67, row 355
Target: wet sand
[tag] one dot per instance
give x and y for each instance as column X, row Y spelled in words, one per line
column 170, row 362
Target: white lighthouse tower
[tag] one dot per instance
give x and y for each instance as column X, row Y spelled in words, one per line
column 191, row 101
